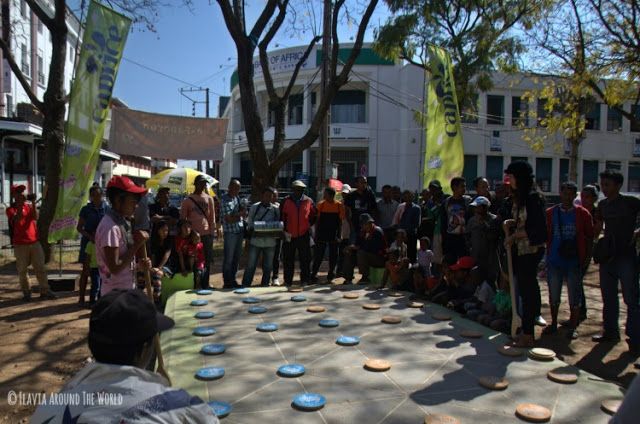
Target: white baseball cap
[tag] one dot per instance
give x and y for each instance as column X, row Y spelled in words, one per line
column 481, row 201
column 346, row 188
column 298, row 183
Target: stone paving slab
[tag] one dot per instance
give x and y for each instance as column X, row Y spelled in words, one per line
column 434, row 369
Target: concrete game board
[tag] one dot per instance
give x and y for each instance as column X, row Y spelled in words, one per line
column 434, row 370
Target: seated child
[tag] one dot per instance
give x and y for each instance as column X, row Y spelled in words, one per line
column 463, row 285
column 438, row 287
column 400, row 244
column 94, row 294
column 396, row 268
column 182, row 238
column 422, row 268
column 482, row 300
column 194, row 252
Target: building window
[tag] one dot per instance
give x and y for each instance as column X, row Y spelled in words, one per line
column 613, row 165
column 519, row 158
column 495, row 110
column 543, row 173
column 635, row 124
column 614, row 120
column 40, row 70
column 592, row 118
column 495, row 170
column 636, row 148
column 40, row 25
column 541, row 112
column 25, row 60
column 470, row 170
column 23, row 8
column 469, row 114
column 295, row 109
column 271, row 116
column 589, row 172
column 72, row 53
column 519, row 112
column 634, row 177
column 349, row 106
column 564, row 171
column 495, row 144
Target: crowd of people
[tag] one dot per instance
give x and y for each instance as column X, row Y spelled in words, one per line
column 449, row 249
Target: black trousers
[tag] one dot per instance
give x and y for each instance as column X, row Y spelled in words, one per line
column 289, row 249
column 454, row 246
column 412, row 247
column 525, row 270
column 318, row 256
column 207, row 243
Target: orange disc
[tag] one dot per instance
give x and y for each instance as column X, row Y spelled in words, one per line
column 610, row 406
column 533, row 413
column 493, row 383
column 440, row 419
column 316, row 309
column 415, row 304
column 510, row 351
column 351, row 295
column 391, row 319
column 371, row 306
column 377, row 365
column 440, row 316
column 471, row 334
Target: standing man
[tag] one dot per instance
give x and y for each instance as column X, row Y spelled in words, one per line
column 483, row 231
column 619, row 215
column 407, row 218
column 232, row 215
column 455, row 214
column 435, row 207
column 90, row 216
column 22, row 215
column 327, row 233
column 162, row 211
column 198, row 208
column 360, row 201
column 298, row 214
column 386, row 209
column 569, row 243
column 263, row 211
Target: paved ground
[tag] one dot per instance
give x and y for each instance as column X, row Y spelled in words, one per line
column 434, row 369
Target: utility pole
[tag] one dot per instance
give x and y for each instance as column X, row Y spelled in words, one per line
column 193, row 112
column 325, row 149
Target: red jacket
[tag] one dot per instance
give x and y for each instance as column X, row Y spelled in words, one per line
column 584, row 230
column 298, row 219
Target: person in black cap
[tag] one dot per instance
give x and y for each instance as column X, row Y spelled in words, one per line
column 122, row 326
column 369, row 250
column 527, row 240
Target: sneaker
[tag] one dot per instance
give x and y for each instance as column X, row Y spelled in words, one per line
column 48, row 295
column 540, row 322
column 606, row 338
column 276, row 282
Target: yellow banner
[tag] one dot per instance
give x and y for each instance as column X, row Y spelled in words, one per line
column 102, row 45
column 444, row 157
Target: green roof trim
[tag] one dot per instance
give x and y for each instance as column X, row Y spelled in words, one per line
column 367, row 56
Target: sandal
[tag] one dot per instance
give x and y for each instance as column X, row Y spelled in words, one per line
column 550, row 329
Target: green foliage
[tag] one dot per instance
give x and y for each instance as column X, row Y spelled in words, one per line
column 481, row 36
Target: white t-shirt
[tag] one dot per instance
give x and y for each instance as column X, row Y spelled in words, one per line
column 425, row 258
column 135, row 396
column 484, row 293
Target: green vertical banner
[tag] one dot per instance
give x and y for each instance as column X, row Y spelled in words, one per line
column 444, row 157
column 105, row 34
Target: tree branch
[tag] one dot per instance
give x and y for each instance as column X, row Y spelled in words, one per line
column 231, row 20
column 15, row 68
column 264, row 45
column 262, row 21
column 301, row 62
column 41, row 14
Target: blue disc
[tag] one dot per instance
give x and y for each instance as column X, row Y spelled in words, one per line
column 213, row 349
column 298, row 298
column 204, row 315
column 267, row 327
column 329, row 323
column 257, row 310
column 204, row 292
column 221, row 409
column 348, row 340
column 291, row 370
column 309, row 401
column 204, row 331
column 210, row 373
column 243, row 290
column 199, row 302
column 250, row 300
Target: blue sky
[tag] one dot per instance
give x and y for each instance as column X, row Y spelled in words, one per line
column 195, row 47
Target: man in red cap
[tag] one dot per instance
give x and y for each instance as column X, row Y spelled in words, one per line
column 27, row 249
column 115, row 244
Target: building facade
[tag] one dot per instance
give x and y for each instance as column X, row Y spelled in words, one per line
column 374, row 132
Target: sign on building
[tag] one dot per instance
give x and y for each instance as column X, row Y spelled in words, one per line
column 286, row 60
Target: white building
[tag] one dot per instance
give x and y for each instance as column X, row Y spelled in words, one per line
column 374, row 133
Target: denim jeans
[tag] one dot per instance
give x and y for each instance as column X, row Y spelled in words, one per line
column 252, row 262
column 555, row 278
column 232, row 250
column 94, row 294
column 622, row 269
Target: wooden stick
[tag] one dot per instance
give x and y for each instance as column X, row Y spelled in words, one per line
column 516, row 321
column 156, row 339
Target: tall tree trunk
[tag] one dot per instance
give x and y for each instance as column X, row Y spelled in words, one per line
column 263, row 176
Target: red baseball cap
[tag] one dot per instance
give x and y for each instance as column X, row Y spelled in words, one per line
column 465, row 262
column 125, row 184
column 15, row 189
